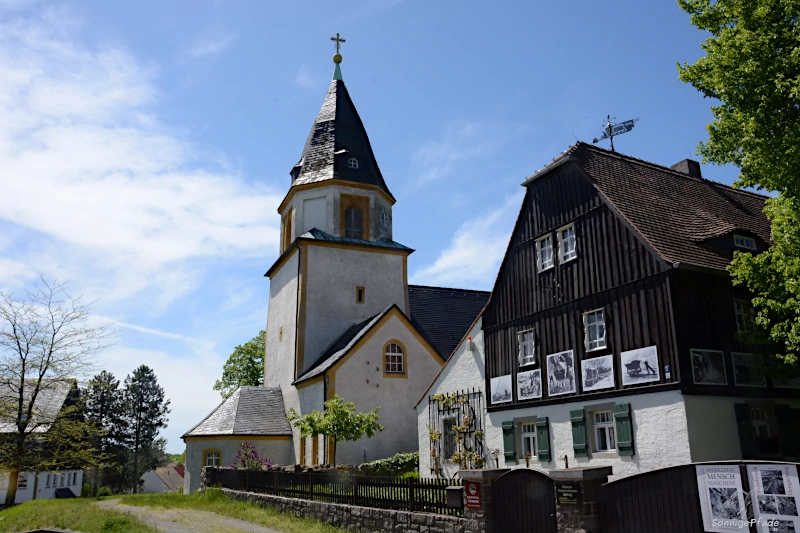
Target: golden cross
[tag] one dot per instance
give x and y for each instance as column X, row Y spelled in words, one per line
column 338, row 40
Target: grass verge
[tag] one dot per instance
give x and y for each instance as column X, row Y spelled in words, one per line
column 213, row 500
column 79, row 514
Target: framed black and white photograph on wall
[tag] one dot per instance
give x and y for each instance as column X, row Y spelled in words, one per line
column 598, row 373
column 501, row 389
column 561, row 373
column 639, row 366
column 708, row 367
column 529, row 384
column 746, row 371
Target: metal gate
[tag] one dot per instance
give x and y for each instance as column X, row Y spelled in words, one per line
column 524, row 502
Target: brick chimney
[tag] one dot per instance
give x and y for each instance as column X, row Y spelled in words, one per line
column 690, row 167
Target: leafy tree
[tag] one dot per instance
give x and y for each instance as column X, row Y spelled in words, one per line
column 46, row 342
column 339, row 420
column 144, row 414
column 244, row 367
column 104, row 409
column 772, row 277
column 752, row 69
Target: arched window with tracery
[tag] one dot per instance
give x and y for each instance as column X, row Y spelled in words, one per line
column 394, row 358
column 353, row 219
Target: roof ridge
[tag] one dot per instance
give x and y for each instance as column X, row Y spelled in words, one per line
column 671, row 170
column 448, row 288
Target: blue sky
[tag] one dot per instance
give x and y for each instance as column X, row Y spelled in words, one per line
column 145, row 146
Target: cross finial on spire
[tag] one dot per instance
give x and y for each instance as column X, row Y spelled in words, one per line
column 338, row 41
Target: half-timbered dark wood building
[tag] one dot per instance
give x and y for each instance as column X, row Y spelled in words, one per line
column 612, row 333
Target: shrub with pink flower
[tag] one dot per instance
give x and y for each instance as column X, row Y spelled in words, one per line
column 247, row 458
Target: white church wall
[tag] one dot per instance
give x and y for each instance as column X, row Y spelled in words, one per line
column 660, row 432
column 315, row 214
column 282, row 324
column 361, row 381
column 713, row 430
column 331, row 307
column 464, row 370
column 308, row 399
column 279, row 450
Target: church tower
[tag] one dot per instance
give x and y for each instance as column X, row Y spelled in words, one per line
column 338, row 264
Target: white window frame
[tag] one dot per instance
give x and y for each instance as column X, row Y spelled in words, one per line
column 745, row 315
column 529, row 435
column 758, row 422
column 605, row 426
column 61, row 484
column 541, row 265
column 744, row 242
column 600, row 343
column 527, row 348
column 562, row 258
column 22, row 482
column 216, row 454
column 47, row 484
column 394, row 362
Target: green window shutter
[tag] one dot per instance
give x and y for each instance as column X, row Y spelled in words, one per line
column 579, row 445
column 508, row 441
column 788, row 431
column 747, row 439
column 543, row 439
column 624, row 427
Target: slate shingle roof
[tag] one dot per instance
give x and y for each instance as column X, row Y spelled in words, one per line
column 248, row 411
column 319, row 235
column 49, row 401
column 676, row 213
column 337, row 135
column 444, row 315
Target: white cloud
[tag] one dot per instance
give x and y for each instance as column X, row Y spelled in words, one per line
column 96, row 188
column 306, row 80
column 212, row 46
column 474, row 255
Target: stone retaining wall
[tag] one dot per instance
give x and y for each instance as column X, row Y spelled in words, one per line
column 360, row 519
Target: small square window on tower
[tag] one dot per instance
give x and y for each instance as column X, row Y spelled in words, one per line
column 359, row 295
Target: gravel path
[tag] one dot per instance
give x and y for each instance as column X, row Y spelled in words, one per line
column 186, row 520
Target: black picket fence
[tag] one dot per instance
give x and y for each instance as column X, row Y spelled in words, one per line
column 417, row 495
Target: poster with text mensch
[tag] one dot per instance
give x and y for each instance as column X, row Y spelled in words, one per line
column 773, row 490
column 721, row 498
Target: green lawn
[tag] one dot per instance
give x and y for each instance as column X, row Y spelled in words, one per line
column 79, row 514
column 213, row 500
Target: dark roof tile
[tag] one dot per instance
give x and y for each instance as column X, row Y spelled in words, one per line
column 248, row 411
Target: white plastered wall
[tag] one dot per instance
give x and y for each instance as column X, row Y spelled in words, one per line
column 279, row 451
column 660, row 432
column 44, row 491
column 282, row 316
column 713, row 431
column 330, row 303
column 464, row 370
column 361, row 381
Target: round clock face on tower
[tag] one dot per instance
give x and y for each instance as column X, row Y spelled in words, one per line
column 383, row 216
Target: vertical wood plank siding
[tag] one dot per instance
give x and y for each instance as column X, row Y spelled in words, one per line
column 615, row 269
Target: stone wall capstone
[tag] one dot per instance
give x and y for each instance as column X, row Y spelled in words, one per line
column 360, row 519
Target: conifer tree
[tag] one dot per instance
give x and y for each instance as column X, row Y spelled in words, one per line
column 144, row 414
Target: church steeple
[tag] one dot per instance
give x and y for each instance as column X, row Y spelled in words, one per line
column 338, row 146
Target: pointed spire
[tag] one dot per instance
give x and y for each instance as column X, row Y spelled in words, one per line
column 337, row 73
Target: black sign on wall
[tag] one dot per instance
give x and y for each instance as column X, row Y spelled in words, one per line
column 568, row 493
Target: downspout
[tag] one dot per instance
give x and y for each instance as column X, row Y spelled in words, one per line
column 297, row 312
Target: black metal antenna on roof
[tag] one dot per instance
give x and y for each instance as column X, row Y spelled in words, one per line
column 610, row 129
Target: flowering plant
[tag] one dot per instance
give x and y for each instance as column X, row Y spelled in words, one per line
column 247, row 458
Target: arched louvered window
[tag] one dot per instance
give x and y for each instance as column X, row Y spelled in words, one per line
column 353, row 218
